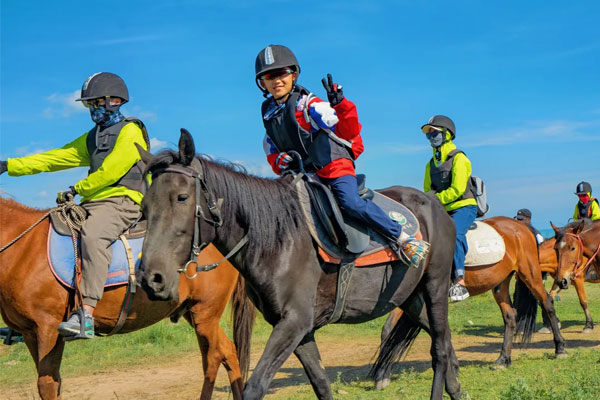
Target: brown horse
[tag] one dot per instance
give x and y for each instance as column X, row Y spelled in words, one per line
column 521, row 258
column 576, row 249
column 33, row 302
column 549, row 263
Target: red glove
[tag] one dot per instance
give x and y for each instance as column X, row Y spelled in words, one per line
column 283, row 160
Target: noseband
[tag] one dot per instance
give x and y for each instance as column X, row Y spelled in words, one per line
column 576, row 269
column 196, row 172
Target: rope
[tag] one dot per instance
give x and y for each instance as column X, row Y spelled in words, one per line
column 72, row 214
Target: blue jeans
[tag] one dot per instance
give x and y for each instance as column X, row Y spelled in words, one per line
column 463, row 218
column 345, row 189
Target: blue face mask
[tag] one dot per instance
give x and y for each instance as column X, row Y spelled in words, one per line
column 105, row 118
column 436, row 138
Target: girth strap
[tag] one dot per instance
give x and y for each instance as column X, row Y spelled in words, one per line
column 131, row 289
column 343, row 282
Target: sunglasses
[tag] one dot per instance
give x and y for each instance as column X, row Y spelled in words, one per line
column 433, row 133
column 95, row 103
column 278, row 73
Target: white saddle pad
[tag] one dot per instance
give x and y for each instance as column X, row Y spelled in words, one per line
column 486, row 246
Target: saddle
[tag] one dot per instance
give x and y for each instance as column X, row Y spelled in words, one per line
column 121, row 271
column 342, row 238
column 486, row 246
column 125, row 260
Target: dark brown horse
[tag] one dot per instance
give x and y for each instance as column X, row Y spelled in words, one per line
column 260, row 224
column 33, row 302
column 549, row 263
column 576, row 249
column 521, row 258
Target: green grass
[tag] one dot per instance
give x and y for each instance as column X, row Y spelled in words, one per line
column 532, row 376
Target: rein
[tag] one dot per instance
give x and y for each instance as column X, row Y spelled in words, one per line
column 196, row 172
column 577, row 270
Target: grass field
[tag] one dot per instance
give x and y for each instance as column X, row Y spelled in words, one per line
column 476, row 328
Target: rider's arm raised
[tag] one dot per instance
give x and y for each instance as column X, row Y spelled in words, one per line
column 71, row 155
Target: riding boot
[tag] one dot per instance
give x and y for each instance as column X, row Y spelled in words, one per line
column 77, row 327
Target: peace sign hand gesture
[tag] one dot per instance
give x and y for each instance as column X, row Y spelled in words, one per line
column 334, row 91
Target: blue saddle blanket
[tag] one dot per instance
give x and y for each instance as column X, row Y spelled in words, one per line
column 62, row 259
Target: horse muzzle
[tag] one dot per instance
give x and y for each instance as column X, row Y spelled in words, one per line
column 154, row 283
column 563, row 283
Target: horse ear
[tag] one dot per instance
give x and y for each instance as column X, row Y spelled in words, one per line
column 187, row 149
column 146, row 157
column 579, row 227
column 556, row 229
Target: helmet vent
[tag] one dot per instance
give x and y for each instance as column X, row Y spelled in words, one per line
column 269, row 59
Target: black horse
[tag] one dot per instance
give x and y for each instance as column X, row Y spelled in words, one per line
column 285, row 277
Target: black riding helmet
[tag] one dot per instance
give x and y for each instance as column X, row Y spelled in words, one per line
column 583, row 188
column 104, row 85
column 441, row 121
column 271, row 58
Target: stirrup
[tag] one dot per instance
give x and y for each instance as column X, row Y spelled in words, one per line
column 81, row 334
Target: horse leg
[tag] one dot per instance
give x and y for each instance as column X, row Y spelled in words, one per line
column 436, row 301
column 383, row 376
column 308, row 354
column 46, row 348
column 539, row 291
column 579, row 287
column 216, row 349
column 502, row 297
column 284, row 339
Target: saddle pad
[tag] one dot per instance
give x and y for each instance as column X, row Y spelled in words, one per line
column 62, row 260
column 486, row 246
column 377, row 250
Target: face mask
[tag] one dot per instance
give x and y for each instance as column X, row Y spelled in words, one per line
column 436, row 138
column 105, row 118
column 584, row 198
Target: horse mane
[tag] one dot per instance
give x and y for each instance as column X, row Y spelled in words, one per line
column 587, row 224
column 13, row 204
column 270, row 208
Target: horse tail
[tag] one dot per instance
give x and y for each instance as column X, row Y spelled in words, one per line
column 395, row 345
column 526, row 305
column 244, row 315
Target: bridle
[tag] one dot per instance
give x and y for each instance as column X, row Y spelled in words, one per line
column 196, row 172
column 577, row 269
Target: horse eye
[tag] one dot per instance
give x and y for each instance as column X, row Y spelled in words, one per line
column 182, row 198
column 572, row 248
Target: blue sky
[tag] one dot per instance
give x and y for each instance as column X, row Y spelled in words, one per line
column 519, row 79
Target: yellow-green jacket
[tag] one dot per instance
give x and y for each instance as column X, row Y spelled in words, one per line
column 97, row 185
column 595, row 210
column 461, row 172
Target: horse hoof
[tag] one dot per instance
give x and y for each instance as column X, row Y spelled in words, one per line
column 497, row 367
column 587, row 331
column 544, row 330
column 382, row 384
column 561, row 356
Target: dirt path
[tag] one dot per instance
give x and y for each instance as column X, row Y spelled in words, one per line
column 350, row 358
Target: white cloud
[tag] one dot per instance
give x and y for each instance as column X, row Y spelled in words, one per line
column 31, row 148
column 258, row 169
column 132, row 39
column 138, row 112
column 535, row 131
column 63, row 105
column 156, row 144
column 407, row 149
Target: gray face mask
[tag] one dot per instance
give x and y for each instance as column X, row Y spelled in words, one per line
column 436, row 138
